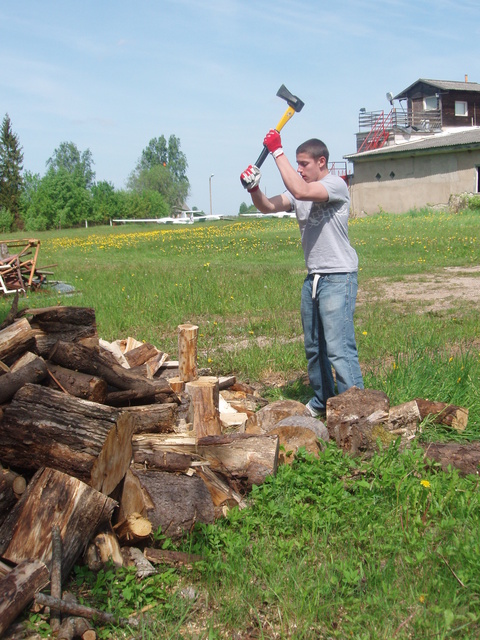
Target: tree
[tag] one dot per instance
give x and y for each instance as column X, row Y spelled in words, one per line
column 69, row 158
column 105, row 201
column 11, row 166
column 162, row 167
column 58, row 200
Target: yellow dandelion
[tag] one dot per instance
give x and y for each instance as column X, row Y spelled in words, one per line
column 365, row 333
column 425, row 483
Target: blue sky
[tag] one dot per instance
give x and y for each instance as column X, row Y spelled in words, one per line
column 111, row 75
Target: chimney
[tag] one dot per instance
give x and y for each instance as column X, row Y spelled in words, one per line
column 466, row 78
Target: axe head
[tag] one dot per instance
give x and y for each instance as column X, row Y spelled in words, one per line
column 294, row 102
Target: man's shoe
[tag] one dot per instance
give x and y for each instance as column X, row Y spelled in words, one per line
column 315, row 413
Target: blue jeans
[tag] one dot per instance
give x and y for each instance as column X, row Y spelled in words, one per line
column 329, row 335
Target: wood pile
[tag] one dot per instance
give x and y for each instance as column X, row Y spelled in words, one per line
column 103, row 443
column 107, row 443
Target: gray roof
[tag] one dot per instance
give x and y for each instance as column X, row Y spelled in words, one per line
column 443, row 85
column 443, row 142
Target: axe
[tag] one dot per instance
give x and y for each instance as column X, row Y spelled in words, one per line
column 294, row 105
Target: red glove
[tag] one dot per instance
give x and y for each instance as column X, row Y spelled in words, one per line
column 273, row 142
column 250, row 178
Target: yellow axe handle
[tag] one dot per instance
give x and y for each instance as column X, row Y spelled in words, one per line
column 285, row 118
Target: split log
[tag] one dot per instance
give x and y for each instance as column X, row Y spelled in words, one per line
column 28, row 370
column 18, row 588
column 171, row 502
column 204, row 394
column 53, row 498
column 187, row 352
column 244, row 458
column 104, row 548
column 80, row 385
column 223, row 495
column 133, row 557
column 88, row 360
column 176, row 384
column 133, row 529
column 139, row 355
column 72, row 608
column 443, row 413
column 44, row 427
column 464, row 457
column 15, row 340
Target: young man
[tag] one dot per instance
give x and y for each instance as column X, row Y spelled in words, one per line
column 321, row 203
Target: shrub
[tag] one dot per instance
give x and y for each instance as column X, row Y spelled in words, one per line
column 6, row 220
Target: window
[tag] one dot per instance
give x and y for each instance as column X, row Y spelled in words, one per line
column 430, row 103
column 461, row 108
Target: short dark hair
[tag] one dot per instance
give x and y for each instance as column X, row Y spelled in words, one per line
column 315, row 148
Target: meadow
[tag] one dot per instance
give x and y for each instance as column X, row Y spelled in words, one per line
column 331, row 547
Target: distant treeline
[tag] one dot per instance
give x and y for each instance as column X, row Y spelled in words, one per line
column 68, row 195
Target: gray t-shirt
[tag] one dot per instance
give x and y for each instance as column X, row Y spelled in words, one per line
column 324, row 229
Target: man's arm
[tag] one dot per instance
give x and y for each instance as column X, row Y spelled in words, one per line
column 250, row 179
column 293, row 181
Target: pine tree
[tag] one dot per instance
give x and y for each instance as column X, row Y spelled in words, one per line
column 11, row 166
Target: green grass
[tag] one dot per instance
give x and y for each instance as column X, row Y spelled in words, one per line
column 331, row 547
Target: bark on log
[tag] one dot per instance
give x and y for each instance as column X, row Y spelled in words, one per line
column 154, row 418
column 244, row 458
column 187, row 352
column 204, row 394
column 34, row 371
column 18, row 588
column 80, row 385
column 56, row 576
column 72, row 608
column 351, row 417
column 464, row 457
column 175, row 558
column 53, row 498
column 443, row 413
column 61, row 315
column 15, row 340
column 87, row 360
column 171, row 502
column 44, row 427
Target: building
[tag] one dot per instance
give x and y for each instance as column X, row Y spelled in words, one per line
column 420, row 152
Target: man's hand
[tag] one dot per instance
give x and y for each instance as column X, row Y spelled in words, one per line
column 250, row 178
column 273, row 142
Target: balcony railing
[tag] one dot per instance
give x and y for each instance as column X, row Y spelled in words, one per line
column 419, row 121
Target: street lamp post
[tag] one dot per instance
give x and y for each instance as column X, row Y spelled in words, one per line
column 210, row 189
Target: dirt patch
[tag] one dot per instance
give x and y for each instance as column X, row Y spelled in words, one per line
column 436, row 292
